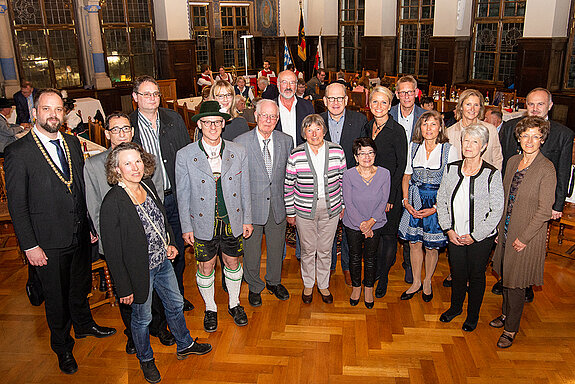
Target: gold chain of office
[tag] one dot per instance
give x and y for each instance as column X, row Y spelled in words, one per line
column 58, row 173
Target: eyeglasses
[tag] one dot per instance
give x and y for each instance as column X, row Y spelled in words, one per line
column 116, row 130
column 406, row 93
column 285, row 82
column 266, row 116
column 217, row 123
column 224, row 96
column 365, row 154
column 339, row 99
column 149, row 95
column 529, row 137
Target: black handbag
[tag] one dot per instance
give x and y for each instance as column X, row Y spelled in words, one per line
column 34, row 287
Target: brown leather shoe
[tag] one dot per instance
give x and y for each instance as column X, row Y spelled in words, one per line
column 306, row 298
column 347, row 276
column 328, row 299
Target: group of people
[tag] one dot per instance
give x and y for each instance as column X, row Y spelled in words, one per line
column 402, row 174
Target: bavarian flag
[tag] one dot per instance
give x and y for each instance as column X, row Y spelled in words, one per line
column 301, row 52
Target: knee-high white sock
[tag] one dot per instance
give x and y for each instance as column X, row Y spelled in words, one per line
column 234, row 282
column 206, row 287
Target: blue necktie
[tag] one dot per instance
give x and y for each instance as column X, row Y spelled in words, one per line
column 62, row 158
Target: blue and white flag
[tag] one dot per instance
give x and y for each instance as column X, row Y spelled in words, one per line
column 287, row 56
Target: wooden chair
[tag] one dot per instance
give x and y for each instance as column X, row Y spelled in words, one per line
column 171, row 104
column 506, row 98
column 6, row 221
column 358, row 99
column 96, row 133
column 521, row 102
column 437, row 88
column 372, row 73
column 568, row 217
column 182, row 110
column 109, row 297
column 168, row 89
column 192, row 125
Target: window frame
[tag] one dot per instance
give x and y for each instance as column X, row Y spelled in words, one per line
column 237, row 31
column 356, row 24
column 128, row 27
column 500, row 20
column 419, row 22
column 46, row 28
column 570, row 49
column 196, row 30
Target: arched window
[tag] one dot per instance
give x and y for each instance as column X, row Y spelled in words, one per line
column 128, row 37
column 415, row 27
column 46, row 42
column 497, row 25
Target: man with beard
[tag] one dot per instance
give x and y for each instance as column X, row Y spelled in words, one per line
column 45, row 188
column 292, row 109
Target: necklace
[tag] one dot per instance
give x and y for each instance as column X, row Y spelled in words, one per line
column 377, row 129
column 56, row 170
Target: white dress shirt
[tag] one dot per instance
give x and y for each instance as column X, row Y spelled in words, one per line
column 51, row 148
column 288, row 119
column 406, row 122
column 214, row 157
column 318, row 162
column 270, row 144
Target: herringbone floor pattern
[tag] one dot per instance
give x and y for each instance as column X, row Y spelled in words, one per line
column 289, row 342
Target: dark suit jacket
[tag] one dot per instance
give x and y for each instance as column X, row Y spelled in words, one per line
column 22, row 112
column 125, row 243
column 271, row 92
column 418, row 111
column 173, row 136
column 558, row 148
column 303, row 108
column 40, row 205
column 352, row 129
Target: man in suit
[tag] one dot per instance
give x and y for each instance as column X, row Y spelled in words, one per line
column 344, row 126
column 406, row 113
column 24, row 100
column 315, row 83
column 45, row 188
column 558, row 148
column 162, row 132
column 215, row 209
column 292, row 109
column 8, row 131
column 118, row 130
column 268, row 152
column 266, row 89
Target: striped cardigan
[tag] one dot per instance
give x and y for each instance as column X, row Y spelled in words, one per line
column 300, row 186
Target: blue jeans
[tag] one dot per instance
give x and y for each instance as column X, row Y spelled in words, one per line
column 344, row 251
column 163, row 280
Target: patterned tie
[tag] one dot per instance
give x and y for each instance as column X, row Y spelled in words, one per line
column 62, row 158
column 267, row 158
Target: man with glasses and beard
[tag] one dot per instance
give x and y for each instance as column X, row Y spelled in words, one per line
column 45, row 187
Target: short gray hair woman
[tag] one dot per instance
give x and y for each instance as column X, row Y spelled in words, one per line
column 314, row 174
column 469, row 207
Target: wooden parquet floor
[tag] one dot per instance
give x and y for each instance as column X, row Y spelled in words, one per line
column 288, row 342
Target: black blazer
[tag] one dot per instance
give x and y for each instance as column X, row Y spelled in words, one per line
column 22, row 112
column 173, row 136
column 303, row 108
column 40, row 205
column 271, row 92
column 352, row 129
column 125, row 243
column 558, row 148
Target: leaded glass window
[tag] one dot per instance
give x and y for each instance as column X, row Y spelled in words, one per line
column 201, row 33
column 415, row 28
column 497, row 26
column 351, row 26
column 569, row 75
column 128, row 37
column 235, row 23
column 46, row 42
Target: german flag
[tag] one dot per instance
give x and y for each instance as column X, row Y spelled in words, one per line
column 301, row 52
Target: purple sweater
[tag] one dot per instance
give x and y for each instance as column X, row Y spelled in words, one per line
column 363, row 201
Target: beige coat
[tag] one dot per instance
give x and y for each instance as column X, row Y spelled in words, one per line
column 528, row 223
column 492, row 155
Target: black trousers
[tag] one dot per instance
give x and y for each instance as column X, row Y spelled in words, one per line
column 512, row 308
column 66, row 282
column 385, row 256
column 179, row 263
column 468, row 265
column 366, row 249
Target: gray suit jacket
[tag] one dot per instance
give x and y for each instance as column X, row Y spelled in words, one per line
column 263, row 189
column 418, row 111
column 196, row 189
column 7, row 132
column 97, row 186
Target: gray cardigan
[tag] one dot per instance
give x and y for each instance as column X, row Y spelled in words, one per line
column 486, row 199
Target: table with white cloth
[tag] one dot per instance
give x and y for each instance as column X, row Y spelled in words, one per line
column 191, row 102
column 87, row 107
column 512, row 115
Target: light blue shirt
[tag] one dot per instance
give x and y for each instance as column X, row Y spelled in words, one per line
column 335, row 127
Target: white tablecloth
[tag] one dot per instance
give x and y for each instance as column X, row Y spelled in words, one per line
column 512, row 115
column 88, row 107
column 191, row 102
